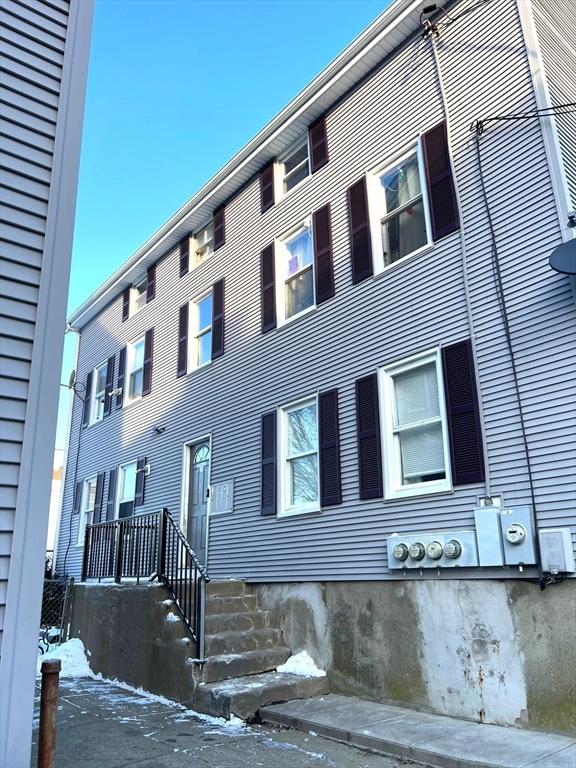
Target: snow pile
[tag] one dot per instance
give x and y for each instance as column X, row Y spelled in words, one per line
column 171, row 617
column 72, row 656
column 301, row 664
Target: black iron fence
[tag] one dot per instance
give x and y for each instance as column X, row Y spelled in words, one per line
column 150, row 546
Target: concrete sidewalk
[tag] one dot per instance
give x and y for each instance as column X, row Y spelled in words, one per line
column 430, row 739
column 101, row 725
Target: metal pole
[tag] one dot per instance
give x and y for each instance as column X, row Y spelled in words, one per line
column 48, row 709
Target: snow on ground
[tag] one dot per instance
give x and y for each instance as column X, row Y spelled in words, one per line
column 72, row 656
column 301, row 664
column 171, row 617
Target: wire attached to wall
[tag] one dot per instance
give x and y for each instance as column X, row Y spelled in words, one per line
column 478, row 128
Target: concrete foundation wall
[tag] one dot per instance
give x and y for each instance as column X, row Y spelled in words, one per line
column 497, row 652
column 126, row 633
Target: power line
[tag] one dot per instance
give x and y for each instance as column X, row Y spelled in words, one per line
column 556, row 109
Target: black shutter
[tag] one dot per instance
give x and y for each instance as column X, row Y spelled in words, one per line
column 125, row 304
column 98, row 498
column 268, row 290
column 77, row 500
column 330, row 479
column 147, row 368
column 121, row 374
column 360, row 244
column 218, row 319
column 87, row 400
column 184, row 255
column 219, row 234
column 318, row 145
column 111, row 498
column 441, row 192
column 462, row 409
column 140, row 483
column 368, row 434
column 151, row 283
column 183, row 340
column 267, row 188
column 268, row 497
column 323, row 255
column 109, row 386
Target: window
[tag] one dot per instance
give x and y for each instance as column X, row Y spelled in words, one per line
column 201, row 337
column 299, row 481
column 294, row 164
column 98, row 393
column 135, row 369
column 87, row 508
column 204, row 244
column 126, row 489
column 400, row 200
column 138, row 296
column 415, row 430
column 296, row 269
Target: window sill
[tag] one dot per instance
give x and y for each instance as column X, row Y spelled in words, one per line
column 284, row 195
column 286, row 513
column 410, row 493
column 423, row 251
column 130, row 403
column 295, row 318
column 202, row 367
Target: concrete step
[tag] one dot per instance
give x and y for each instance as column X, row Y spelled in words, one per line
column 236, row 622
column 435, row 740
column 226, row 588
column 237, row 642
column 231, row 604
column 230, row 665
column 244, row 696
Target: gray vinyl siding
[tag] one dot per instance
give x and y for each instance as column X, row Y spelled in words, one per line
column 413, row 307
column 556, row 29
column 32, row 39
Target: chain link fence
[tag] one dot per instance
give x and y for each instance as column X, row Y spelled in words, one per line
column 55, row 619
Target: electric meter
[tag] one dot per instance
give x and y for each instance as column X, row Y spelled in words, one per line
column 417, row 551
column 453, row 549
column 400, row 552
column 515, row 534
column 434, row 550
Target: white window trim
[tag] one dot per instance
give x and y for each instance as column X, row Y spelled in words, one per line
column 285, row 509
column 93, row 410
column 280, row 175
column 133, row 296
column 393, row 488
column 194, row 247
column 119, row 485
column 279, row 271
column 194, row 331
column 127, row 400
column 83, row 517
column 375, row 212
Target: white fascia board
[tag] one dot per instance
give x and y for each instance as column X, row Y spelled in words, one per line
column 310, row 102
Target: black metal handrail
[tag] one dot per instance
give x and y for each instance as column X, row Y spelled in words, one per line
column 150, row 546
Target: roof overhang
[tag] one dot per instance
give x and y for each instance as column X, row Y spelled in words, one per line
column 390, row 30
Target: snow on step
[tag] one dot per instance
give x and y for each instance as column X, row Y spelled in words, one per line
column 231, row 665
column 244, row 696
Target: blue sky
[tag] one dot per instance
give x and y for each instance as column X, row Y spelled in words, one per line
column 175, row 88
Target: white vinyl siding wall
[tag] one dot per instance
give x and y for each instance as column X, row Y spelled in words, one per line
column 32, row 52
column 413, row 307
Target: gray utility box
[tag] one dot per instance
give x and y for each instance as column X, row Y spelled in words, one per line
column 489, row 536
column 518, row 536
column 556, row 550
